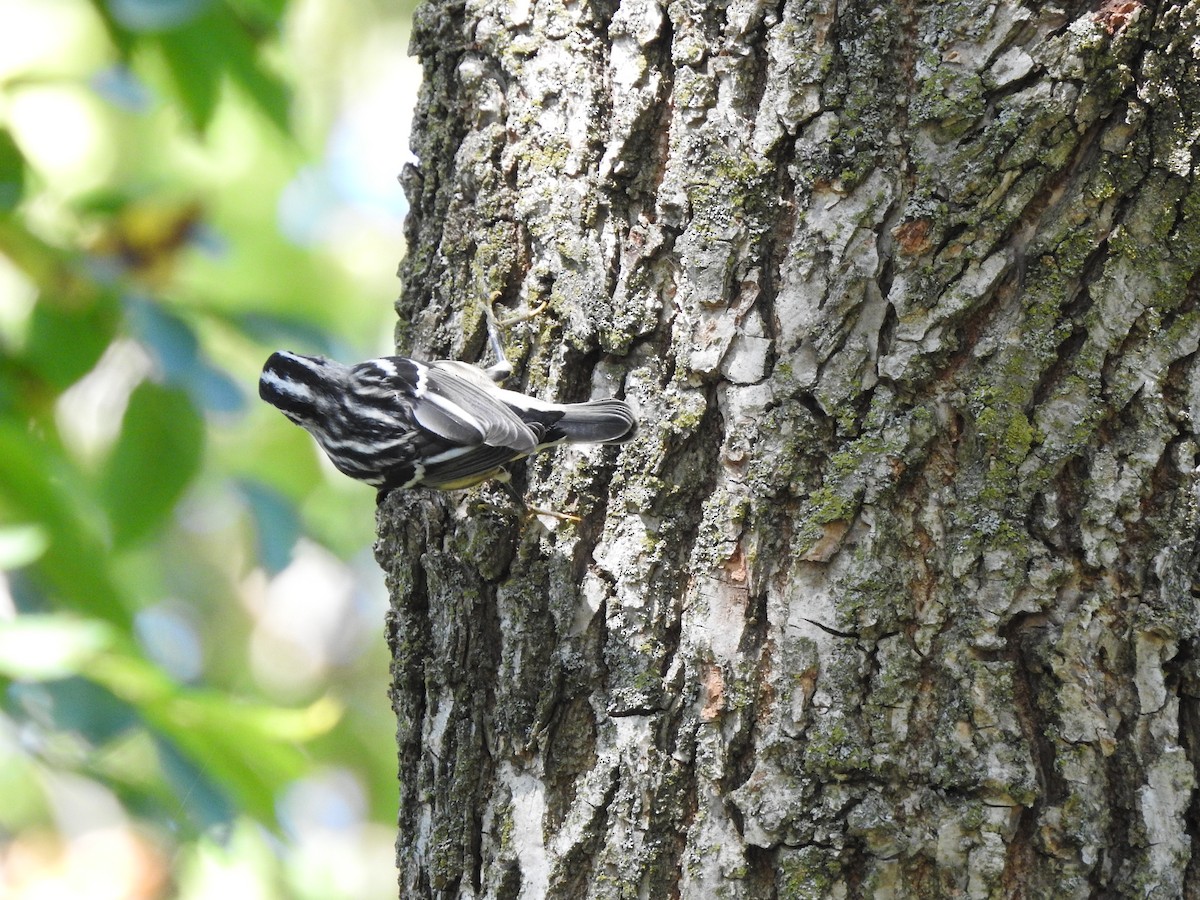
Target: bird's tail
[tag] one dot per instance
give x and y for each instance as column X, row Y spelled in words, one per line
column 597, row 422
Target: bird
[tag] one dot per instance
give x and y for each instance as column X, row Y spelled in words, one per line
column 398, row 423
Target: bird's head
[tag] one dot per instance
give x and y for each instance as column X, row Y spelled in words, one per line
column 303, row 388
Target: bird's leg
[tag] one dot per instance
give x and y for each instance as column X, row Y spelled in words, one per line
column 503, row 479
column 498, row 372
column 535, row 511
column 502, row 368
column 517, row 318
column 531, row 511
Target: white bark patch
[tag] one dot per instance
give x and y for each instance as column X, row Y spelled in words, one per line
column 766, row 804
column 711, row 340
column 1010, row 66
column 593, row 593
column 635, row 26
column 707, row 871
column 811, row 600
column 623, row 558
column 722, row 615
column 435, row 735
column 518, row 12
column 1164, row 800
column 1152, row 690
column 828, row 312
column 528, row 838
column 746, row 361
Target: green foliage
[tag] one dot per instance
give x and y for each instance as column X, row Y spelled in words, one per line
column 86, row 328
column 149, row 504
column 39, row 488
column 137, row 490
column 214, row 48
column 12, row 173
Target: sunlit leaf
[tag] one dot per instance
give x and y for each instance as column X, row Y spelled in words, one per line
column 44, row 647
column 24, row 797
column 156, row 455
column 21, row 544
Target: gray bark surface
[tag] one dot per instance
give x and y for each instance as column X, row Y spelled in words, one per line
column 895, row 592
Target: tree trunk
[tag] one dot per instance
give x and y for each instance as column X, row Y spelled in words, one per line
column 894, row 593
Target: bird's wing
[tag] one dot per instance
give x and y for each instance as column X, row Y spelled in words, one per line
column 467, row 412
column 467, row 468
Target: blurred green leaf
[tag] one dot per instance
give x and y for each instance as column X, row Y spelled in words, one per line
column 24, row 799
column 118, row 85
column 12, row 172
column 251, row 749
column 89, row 712
column 65, row 341
column 155, row 15
column 262, row 13
column 37, row 486
column 288, row 333
column 245, row 67
column 211, row 48
column 276, row 522
column 176, row 349
column 195, row 74
column 214, row 389
column 64, row 283
column 171, row 339
column 203, row 799
column 247, row 751
column 158, row 451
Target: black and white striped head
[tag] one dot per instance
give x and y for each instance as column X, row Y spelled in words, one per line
column 358, row 414
column 306, row 389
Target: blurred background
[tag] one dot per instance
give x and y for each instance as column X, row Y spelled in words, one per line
column 193, row 672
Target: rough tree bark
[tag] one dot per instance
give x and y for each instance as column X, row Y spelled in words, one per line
column 895, row 593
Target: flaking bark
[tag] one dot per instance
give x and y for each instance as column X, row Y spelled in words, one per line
column 894, row 594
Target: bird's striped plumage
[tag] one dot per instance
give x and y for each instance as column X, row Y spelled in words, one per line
column 396, row 422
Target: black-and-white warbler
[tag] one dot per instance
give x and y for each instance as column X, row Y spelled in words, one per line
column 397, row 423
